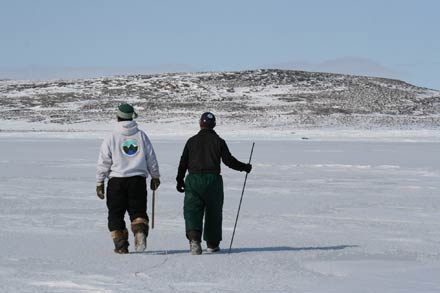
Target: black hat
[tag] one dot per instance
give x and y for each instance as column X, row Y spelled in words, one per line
column 207, row 120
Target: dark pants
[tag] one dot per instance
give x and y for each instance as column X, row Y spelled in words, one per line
column 126, row 194
column 204, row 198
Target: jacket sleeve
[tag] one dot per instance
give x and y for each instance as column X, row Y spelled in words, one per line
column 229, row 160
column 150, row 156
column 183, row 165
column 104, row 161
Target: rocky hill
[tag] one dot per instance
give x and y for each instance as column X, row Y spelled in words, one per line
column 260, row 98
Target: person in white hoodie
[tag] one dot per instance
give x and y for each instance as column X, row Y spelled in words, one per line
column 126, row 158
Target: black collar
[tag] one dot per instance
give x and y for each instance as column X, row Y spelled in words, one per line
column 207, row 130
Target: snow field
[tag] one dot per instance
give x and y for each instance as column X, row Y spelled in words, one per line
column 317, row 216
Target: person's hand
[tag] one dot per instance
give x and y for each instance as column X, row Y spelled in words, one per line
column 180, row 186
column 154, row 183
column 248, row 168
column 100, row 190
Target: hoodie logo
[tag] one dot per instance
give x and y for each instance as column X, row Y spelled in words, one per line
column 130, row 147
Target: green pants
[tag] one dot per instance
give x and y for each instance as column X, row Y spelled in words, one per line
column 204, row 197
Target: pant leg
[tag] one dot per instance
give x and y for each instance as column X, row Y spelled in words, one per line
column 193, row 205
column 214, row 197
column 137, row 197
column 116, row 203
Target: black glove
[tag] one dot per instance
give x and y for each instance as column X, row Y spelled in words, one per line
column 247, row 168
column 154, row 183
column 100, row 190
column 180, row 186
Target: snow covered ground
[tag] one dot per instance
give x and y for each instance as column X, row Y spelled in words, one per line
column 319, row 215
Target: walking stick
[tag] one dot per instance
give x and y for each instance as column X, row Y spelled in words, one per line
column 152, row 211
column 241, row 199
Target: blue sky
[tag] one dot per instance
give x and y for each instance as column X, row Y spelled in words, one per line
column 46, row 38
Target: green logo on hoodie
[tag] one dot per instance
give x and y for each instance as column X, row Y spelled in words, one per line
column 130, row 147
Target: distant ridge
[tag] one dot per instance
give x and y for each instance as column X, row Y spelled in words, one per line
column 260, row 98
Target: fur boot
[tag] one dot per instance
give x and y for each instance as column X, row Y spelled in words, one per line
column 139, row 226
column 195, row 238
column 120, row 239
column 195, row 247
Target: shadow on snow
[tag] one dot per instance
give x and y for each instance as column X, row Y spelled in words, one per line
column 253, row 249
column 288, row 248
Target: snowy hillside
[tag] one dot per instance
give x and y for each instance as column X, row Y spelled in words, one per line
column 261, row 99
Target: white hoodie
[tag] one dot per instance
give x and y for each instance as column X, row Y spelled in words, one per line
column 126, row 152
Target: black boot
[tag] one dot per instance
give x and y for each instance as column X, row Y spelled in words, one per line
column 213, row 246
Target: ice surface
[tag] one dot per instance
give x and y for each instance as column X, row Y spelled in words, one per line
column 317, row 216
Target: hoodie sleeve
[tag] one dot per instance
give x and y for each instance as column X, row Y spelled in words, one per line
column 150, row 156
column 104, row 162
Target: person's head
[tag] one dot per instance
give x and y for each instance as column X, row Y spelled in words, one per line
column 207, row 121
column 126, row 112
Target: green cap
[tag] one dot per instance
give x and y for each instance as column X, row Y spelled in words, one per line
column 126, row 111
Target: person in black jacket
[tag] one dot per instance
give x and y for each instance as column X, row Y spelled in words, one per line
column 203, row 186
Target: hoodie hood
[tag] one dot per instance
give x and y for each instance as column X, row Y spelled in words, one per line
column 127, row 128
